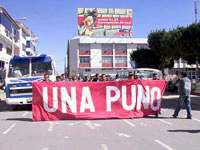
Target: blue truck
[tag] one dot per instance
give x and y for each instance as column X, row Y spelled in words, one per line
column 22, row 71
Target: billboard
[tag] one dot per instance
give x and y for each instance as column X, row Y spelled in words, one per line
column 107, row 22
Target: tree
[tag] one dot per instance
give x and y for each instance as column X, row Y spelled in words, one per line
column 159, row 43
column 145, row 58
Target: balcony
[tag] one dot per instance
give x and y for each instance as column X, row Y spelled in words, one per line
column 107, row 52
column 84, row 65
column 120, row 65
column 121, row 52
column 84, row 52
column 107, row 65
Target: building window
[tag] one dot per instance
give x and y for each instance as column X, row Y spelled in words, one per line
column 1, row 46
column 120, row 59
column 84, row 60
column 9, row 51
column 107, row 47
column 28, row 44
column 87, row 70
column 107, row 59
column 142, row 46
column 10, row 27
column 84, row 47
column 23, row 47
column 120, row 47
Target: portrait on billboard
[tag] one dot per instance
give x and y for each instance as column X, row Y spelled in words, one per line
column 104, row 22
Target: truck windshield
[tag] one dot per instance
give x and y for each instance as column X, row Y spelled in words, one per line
column 39, row 68
column 21, row 67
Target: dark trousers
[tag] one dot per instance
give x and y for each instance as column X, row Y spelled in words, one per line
column 187, row 102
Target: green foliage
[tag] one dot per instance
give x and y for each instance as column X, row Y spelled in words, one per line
column 145, row 58
column 182, row 42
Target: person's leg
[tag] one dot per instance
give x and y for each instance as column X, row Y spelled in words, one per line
column 178, row 108
column 188, row 107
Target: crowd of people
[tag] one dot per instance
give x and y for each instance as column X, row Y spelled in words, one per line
column 98, row 77
column 183, row 82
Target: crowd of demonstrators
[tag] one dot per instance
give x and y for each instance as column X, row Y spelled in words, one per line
column 100, row 78
column 183, row 82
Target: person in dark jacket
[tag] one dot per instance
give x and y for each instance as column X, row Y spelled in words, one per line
column 184, row 90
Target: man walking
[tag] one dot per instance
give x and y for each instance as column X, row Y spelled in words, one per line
column 184, row 89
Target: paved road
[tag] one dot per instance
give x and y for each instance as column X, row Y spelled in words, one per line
column 18, row 132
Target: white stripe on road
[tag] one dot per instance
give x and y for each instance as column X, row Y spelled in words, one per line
column 104, row 147
column 97, row 125
column 129, row 123
column 196, row 119
column 123, row 135
column 24, row 114
column 66, row 137
column 163, row 145
column 89, row 124
column 51, row 125
column 10, row 128
column 45, row 148
column 166, row 122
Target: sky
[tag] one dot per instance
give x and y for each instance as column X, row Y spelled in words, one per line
column 55, row 21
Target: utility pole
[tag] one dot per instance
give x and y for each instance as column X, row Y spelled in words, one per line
column 195, row 11
column 196, row 21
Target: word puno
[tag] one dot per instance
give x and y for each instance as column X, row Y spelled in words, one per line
column 140, row 96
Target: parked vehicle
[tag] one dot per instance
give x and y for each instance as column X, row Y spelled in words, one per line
column 22, row 72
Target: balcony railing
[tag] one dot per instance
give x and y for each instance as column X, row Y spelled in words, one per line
column 120, row 65
column 107, row 65
column 84, row 52
column 84, row 65
column 120, row 52
column 107, row 52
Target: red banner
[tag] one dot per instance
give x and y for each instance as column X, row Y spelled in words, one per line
column 95, row 100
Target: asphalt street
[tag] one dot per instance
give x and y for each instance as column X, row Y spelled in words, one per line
column 19, row 132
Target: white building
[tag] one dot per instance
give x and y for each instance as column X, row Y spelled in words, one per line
column 28, row 41
column 15, row 39
column 9, row 37
column 89, row 55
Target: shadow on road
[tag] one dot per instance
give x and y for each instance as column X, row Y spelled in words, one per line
column 188, row 131
column 20, row 119
column 6, row 107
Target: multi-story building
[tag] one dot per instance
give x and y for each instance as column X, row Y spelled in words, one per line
column 90, row 55
column 9, row 38
column 28, row 41
column 104, row 43
column 15, row 38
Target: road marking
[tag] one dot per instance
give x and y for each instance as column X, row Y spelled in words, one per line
column 10, row 128
column 166, row 122
column 66, row 137
column 163, row 145
column 97, row 125
column 89, row 124
column 51, row 125
column 45, row 148
column 104, row 147
column 123, row 135
column 196, row 119
column 143, row 124
column 24, row 114
column 129, row 123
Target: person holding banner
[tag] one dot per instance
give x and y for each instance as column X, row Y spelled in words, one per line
column 46, row 78
column 184, row 90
